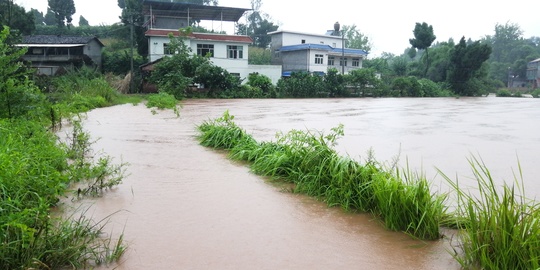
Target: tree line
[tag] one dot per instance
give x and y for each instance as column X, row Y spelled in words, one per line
column 466, row 67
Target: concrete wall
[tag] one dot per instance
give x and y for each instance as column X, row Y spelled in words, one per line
column 93, row 50
column 295, row 60
column 271, row 71
column 293, row 38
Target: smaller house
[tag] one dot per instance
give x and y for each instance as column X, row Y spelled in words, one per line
column 313, row 53
column 51, row 53
column 533, row 73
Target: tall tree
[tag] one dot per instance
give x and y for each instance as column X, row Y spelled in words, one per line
column 63, row 11
column 465, row 63
column 83, row 21
column 355, row 39
column 16, row 17
column 39, row 19
column 258, row 25
column 423, row 38
column 49, row 18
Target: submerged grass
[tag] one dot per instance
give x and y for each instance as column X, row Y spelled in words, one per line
column 309, row 161
column 500, row 226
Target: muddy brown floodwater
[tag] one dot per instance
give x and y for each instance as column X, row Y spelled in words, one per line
column 184, row 206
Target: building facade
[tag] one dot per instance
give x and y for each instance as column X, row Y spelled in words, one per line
column 51, row 53
column 227, row 51
column 533, row 73
column 302, row 52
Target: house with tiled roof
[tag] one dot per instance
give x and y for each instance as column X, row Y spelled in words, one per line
column 313, row 53
column 51, row 53
column 229, row 51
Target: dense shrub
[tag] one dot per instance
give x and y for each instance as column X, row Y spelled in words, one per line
column 259, row 82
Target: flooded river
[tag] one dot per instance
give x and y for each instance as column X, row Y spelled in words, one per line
column 184, row 206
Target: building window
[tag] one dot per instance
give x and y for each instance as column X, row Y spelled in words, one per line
column 167, row 49
column 343, row 62
column 204, row 49
column 235, row 52
column 331, row 60
column 334, row 44
column 303, row 41
column 319, row 59
column 356, row 62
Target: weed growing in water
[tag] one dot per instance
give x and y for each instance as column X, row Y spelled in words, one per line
column 97, row 175
column 34, row 173
column 162, row 101
column 500, row 227
column 309, row 161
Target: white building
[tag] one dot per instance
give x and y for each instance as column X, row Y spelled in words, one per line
column 227, row 51
column 313, row 53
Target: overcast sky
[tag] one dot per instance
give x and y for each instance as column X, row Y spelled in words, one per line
column 387, row 23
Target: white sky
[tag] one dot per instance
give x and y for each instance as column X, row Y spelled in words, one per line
column 387, row 23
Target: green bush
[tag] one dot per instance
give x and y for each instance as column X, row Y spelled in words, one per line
column 504, row 93
column 536, row 93
column 263, row 83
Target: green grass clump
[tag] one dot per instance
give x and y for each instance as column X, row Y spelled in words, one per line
column 500, row 227
column 222, row 133
column 35, row 171
column 309, row 161
column 162, row 101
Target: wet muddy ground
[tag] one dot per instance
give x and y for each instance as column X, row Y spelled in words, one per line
column 184, row 206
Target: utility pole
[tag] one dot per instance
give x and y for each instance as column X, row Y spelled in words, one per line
column 131, row 52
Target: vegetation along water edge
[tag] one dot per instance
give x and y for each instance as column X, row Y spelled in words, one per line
column 498, row 229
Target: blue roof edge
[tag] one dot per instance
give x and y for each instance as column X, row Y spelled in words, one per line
column 323, row 47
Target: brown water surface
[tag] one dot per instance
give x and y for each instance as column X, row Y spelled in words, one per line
column 184, row 206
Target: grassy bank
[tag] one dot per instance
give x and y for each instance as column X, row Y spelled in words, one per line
column 500, row 229
column 35, row 172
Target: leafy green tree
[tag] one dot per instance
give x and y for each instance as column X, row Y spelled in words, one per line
column 39, row 19
column 83, row 21
column 49, row 19
column 259, row 56
column 407, row 87
column 334, row 83
column 16, row 18
column 215, row 79
column 399, row 66
column 263, row 83
column 355, row 39
column 440, row 61
column 423, row 38
column 364, row 81
column 258, row 26
column 504, row 40
column 19, row 97
column 466, row 62
column 63, row 11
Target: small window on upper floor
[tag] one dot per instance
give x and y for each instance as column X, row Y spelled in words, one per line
column 235, row 52
column 205, row 49
column 167, row 49
column 334, row 44
column 303, row 41
column 322, row 42
column 356, row 62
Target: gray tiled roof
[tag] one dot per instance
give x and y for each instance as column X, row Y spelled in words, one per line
column 57, row 39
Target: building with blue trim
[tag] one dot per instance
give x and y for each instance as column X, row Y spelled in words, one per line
column 302, row 52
